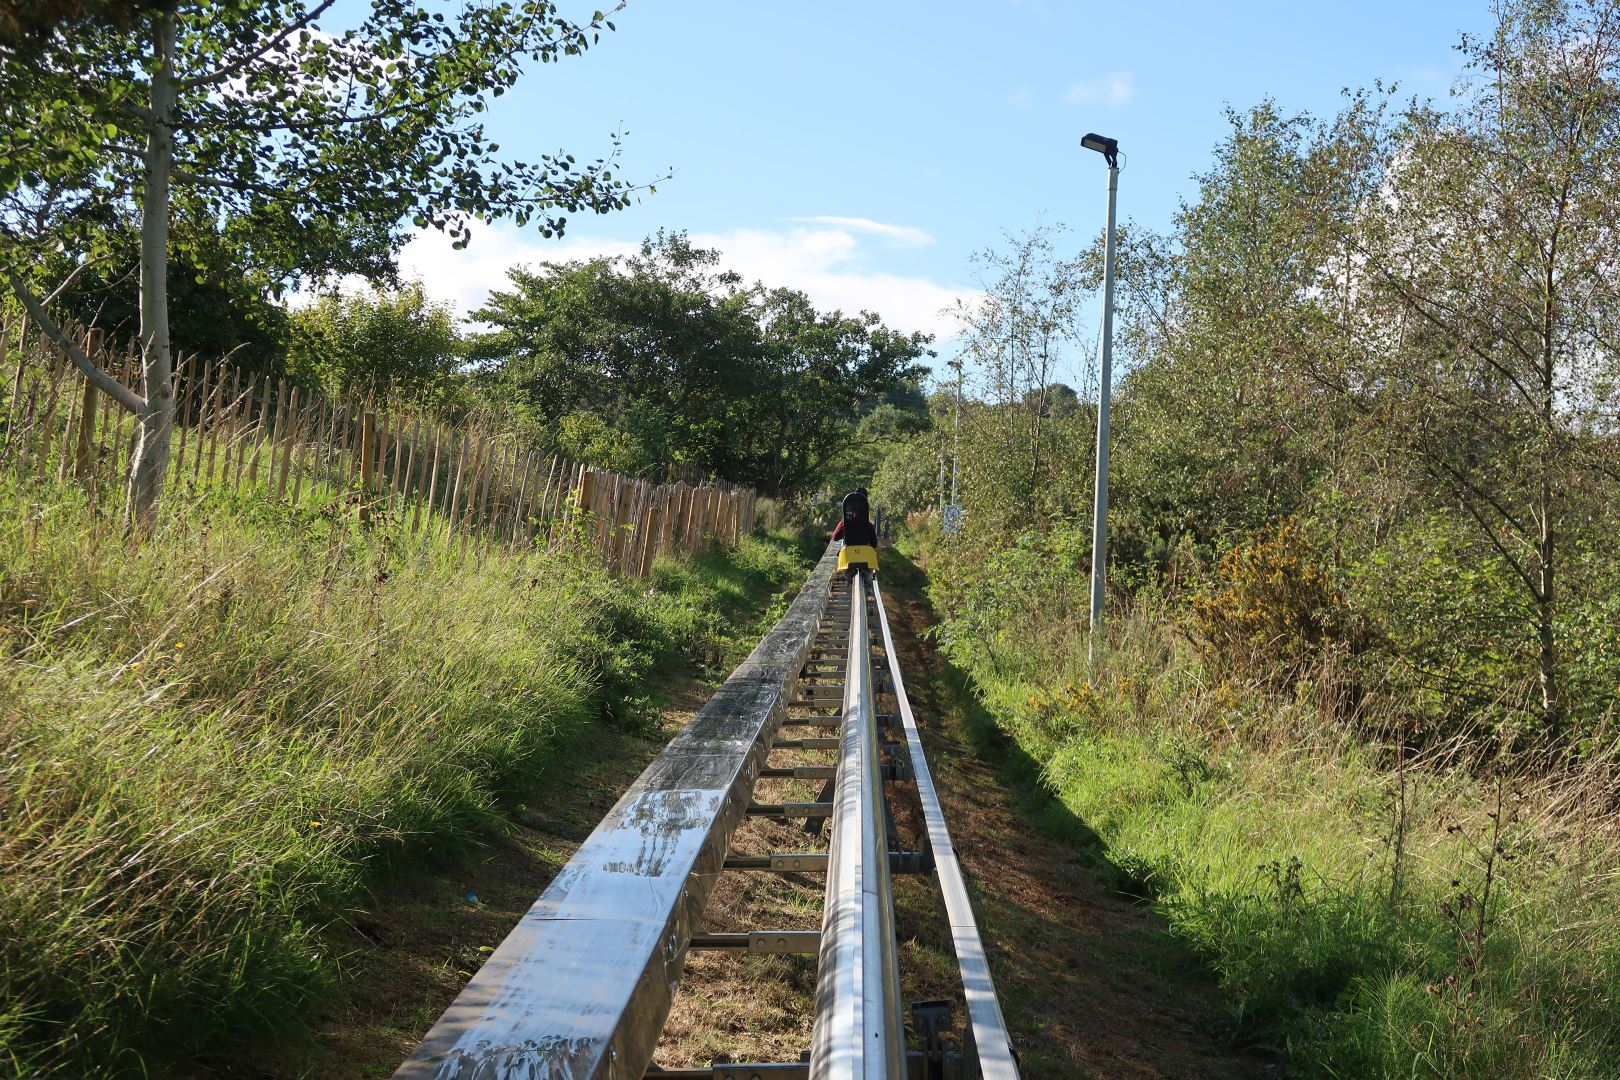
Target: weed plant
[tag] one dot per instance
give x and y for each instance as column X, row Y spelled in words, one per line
column 215, row 742
column 1373, row 906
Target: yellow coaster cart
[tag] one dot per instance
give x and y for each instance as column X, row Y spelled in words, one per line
column 855, row 556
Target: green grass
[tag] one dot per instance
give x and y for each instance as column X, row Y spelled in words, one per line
column 213, row 742
column 1365, row 917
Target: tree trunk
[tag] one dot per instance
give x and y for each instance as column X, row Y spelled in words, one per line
column 156, row 418
column 1552, row 719
column 1547, row 653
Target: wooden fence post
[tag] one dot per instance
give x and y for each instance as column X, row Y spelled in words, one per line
column 585, row 501
column 666, row 495
column 478, row 507
column 368, row 441
column 570, row 478
column 49, row 423
column 433, row 483
column 649, row 546
column 17, row 380
column 543, row 500
column 520, row 503
column 396, row 431
column 84, row 457
column 232, row 408
column 211, row 420
column 455, row 489
column 75, row 403
column 633, row 530
column 410, row 481
column 706, row 518
column 309, row 428
column 683, row 532
column 185, row 395
column 289, row 439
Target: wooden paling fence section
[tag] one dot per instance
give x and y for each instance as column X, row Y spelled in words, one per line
column 236, row 429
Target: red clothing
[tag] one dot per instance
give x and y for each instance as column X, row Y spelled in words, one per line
column 838, row 530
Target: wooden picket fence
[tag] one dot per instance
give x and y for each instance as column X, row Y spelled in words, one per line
column 236, row 430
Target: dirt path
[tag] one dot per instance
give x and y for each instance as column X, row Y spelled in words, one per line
column 1091, row 983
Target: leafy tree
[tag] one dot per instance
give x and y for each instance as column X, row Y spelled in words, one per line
column 904, row 466
column 1398, row 329
column 661, row 346
column 1481, row 297
column 1017, row 335
column 896, row 418
column 216, row 304
column 26, row 25
column 1220, row 430
column 824, row 372
column 377, row 343
column 905, row 480
column 681, row 363
column 309, row 147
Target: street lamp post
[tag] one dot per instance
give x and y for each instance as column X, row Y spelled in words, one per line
column 956, row 443
column 1109, row 149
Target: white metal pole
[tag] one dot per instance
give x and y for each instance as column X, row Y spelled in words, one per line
column 1099, row 519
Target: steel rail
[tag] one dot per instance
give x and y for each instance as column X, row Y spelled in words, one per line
column 859, row 1033
column 989, row 1028
column 582, row 986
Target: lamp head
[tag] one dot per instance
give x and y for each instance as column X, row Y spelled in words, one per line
column 1108, row 148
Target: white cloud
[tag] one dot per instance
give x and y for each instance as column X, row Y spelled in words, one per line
column 465, row 278
column 1116, row 88
column 904, row 235
column 825, row 261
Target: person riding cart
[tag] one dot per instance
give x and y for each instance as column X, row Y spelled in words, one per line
column 855, row 529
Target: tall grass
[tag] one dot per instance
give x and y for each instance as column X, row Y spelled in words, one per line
column 213, row 742
column 1371, row 910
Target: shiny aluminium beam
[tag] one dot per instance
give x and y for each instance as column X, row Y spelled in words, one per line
column 581, row 987
column 990, row 1040
column 859, row 1033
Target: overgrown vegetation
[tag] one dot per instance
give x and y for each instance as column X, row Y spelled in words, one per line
column 1353, row 729
column 1374, row 909
column 215, row 742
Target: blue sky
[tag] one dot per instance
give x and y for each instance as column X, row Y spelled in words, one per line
column 863, row 151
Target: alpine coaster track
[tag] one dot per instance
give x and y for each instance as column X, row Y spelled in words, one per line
column 581, row 988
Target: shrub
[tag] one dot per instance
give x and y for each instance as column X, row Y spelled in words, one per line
column 1271, row 610
column 215, row 742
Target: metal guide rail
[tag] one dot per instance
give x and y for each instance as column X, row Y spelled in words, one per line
column 584, row 983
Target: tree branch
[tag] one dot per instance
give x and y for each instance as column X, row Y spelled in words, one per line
column 100, row 378
column 1474, row 512
column 62, row 288
column 231, row 68
column 187, row 177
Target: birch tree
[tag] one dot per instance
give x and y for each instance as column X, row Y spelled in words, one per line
column 1021, row 337
column 1484, row 290
column 310, row 148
